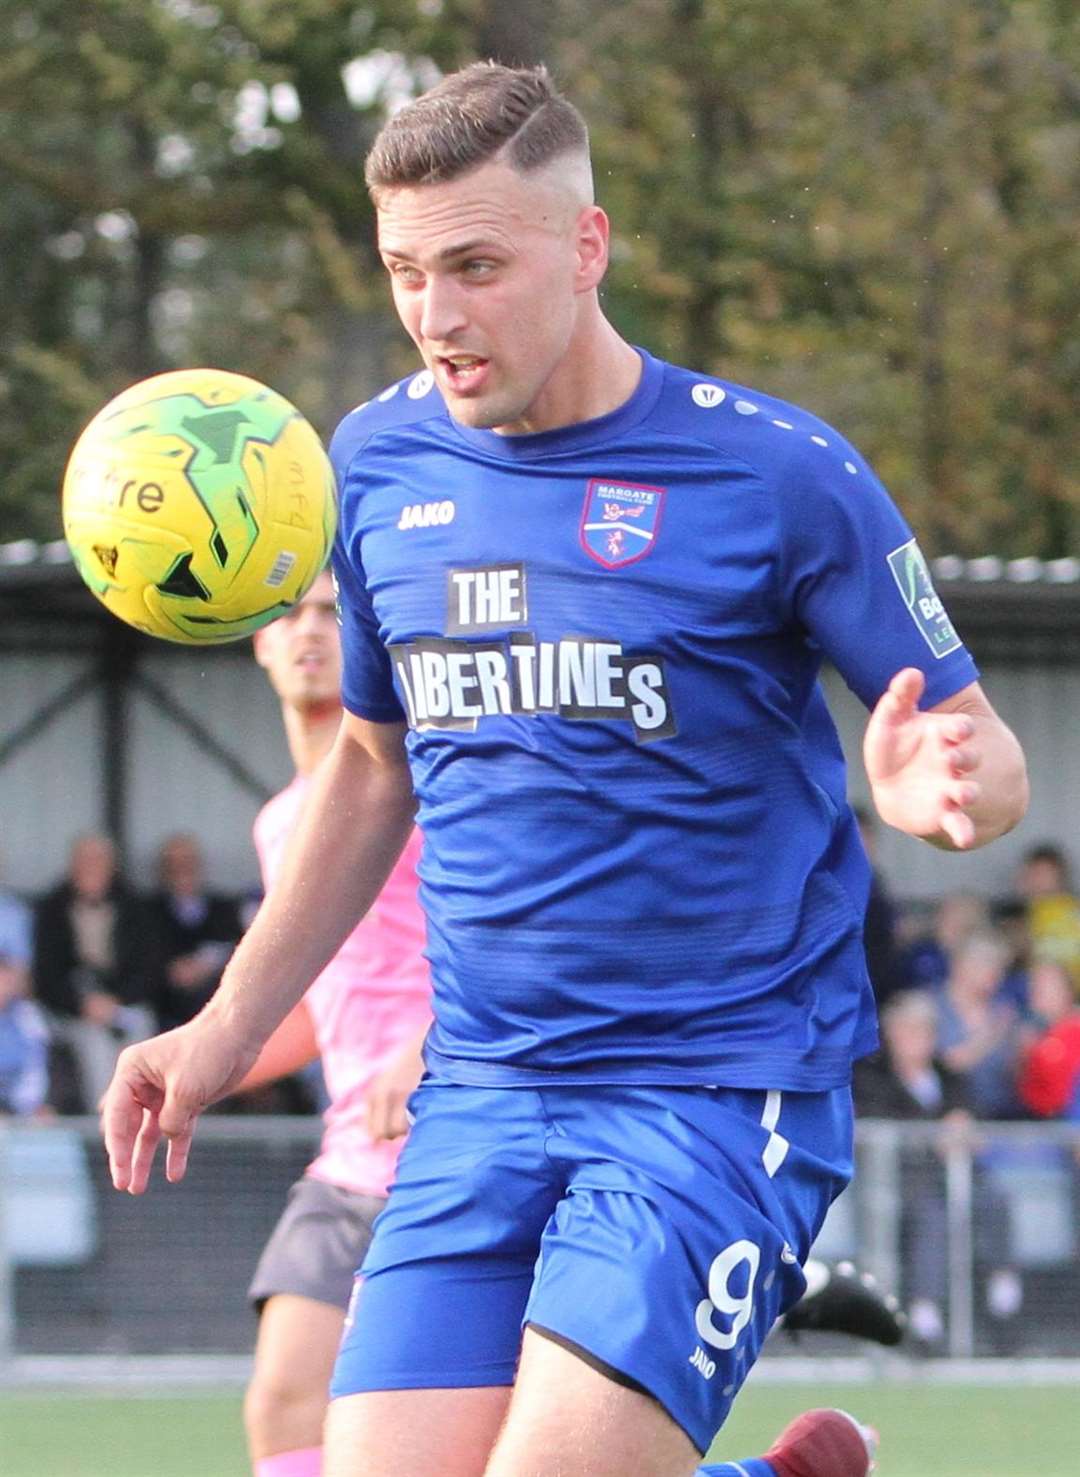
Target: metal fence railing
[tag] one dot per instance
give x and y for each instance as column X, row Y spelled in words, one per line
column 985, row 1226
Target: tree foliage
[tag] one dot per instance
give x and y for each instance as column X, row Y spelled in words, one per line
column 870, row 210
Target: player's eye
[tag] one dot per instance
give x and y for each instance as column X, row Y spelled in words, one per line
column 477, row 267
column 409, row 276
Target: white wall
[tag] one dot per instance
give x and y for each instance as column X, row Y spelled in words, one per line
column 50, row 791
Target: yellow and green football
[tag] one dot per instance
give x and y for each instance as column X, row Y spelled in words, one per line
column 199, row 505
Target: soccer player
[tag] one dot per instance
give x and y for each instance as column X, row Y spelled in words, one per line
column 365, row 1016
column 585, row 598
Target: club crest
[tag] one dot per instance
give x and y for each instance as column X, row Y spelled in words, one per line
column 620, row 520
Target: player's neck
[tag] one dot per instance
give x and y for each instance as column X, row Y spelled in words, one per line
column 599, row 372
column 310, row 733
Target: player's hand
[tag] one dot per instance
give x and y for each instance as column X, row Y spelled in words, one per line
column 388, row 1093
column 158, row 1090
column 920, row 764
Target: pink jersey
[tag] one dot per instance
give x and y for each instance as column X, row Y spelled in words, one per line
column 372, row 996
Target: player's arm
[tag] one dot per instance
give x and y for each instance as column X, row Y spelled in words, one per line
column 852, row 575
column 357, row 819
column 953, row 775
column 292, row 1047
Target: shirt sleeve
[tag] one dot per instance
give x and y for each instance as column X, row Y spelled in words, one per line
column 367, row 686
column 853, row 577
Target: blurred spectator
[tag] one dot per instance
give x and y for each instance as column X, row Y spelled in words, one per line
column 907, row 1079
column 24, row 1033
column 981, row 1031
column 24, row 1047
column 926, row 962
column 879, row 926
column 1053, row 910
column 910, row 1082
column 194, row 932
column 90, row 967
column 1049, row 1082
column 16, row 930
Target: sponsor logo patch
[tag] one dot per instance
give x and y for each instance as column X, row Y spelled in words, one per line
column 482, row 599
column 452, row 684
column 913, row 580
column 620, row 521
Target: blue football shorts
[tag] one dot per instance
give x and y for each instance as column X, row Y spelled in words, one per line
column 660, row 1230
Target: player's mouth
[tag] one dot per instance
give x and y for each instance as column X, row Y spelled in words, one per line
column 311, row 660
column 463, row 374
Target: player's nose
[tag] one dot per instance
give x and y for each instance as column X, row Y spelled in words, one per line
column 309, row 618
column 442, row 314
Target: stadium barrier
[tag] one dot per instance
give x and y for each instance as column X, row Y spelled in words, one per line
column 989, row 1219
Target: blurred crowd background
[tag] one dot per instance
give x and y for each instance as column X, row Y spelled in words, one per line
column 979, row 996
column 980, row 1011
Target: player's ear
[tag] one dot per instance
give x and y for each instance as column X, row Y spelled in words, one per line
column 593, row 238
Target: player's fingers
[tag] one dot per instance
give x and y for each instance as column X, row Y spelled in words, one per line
column 964, row 761
column 177, row 1119
column 386, row 1113
column 957, row 729
column 890, row 712
column 120, row 1124
column 962, row 794
column 905, row 690
column 121, row 1121
column 890, row 721
column 142, row 1160
column 955, row 820
column 397, row 1121
column 960, row 829
column 178, row 1153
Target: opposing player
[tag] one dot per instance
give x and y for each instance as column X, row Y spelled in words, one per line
column 365, row 1016
column 585, row 599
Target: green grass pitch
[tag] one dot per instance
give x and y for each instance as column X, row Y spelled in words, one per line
column 927, row 1430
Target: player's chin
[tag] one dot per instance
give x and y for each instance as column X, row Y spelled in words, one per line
column 315, row 690
column 476, row 411
column 484, row 410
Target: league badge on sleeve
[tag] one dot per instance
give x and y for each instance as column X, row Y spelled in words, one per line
column 922, row 600
column 620, row 520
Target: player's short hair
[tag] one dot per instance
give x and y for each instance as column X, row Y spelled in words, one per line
column 469, row 118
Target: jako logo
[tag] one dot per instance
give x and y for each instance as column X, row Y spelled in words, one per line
column 701, row 1361
column 426, row 515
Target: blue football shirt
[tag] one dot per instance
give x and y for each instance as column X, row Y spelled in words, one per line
column 639, row 863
